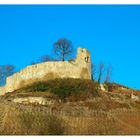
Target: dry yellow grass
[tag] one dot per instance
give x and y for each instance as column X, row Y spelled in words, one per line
column 78, row 114
column 18, row 119
column 28, row 120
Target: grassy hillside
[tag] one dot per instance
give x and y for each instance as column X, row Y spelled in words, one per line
column 64, row 89
column 79, row 108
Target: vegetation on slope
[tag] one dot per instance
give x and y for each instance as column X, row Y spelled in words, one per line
column 64, row 88
column 68, row 119
column 18, row 119
column 86, row 111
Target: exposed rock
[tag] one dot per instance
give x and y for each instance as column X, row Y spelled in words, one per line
column 34, row 100
column 102, row 87
column 134, row 97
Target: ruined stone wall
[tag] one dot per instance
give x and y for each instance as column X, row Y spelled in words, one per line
column 78, row 68
column 2, row 90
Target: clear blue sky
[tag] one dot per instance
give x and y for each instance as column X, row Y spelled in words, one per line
column 110, row 32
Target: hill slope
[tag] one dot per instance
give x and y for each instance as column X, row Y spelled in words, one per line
column 70, row 107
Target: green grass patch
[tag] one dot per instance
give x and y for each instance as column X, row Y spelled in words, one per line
column 63, row 88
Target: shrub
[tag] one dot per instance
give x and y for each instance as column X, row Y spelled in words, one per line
column 38, row 86
column 111, row 87
column 63, row 88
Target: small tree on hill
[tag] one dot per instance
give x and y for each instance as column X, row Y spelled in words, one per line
column 46, row 58
column 63, row 49
column 101, row 71
column 108, row 74
column 5, row 71
column 93, row 71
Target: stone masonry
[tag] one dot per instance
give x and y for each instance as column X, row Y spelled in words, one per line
column 77, row 68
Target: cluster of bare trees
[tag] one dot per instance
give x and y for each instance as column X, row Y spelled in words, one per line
column 5, row 71
column 62, row 49
column 44, row 58
column 100, row 73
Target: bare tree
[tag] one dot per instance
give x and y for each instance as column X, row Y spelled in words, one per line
column 101, row 70
column 63, row 49
column 46, row 58
column 1, row 75
column 93, row 71
column 9, row 70
column 5, row 71
column 108, row 74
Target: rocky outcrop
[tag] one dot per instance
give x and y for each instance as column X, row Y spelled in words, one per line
column 34, row 100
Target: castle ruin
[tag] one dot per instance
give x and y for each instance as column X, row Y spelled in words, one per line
column 77, row 68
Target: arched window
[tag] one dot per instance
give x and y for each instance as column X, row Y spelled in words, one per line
column 87, row 59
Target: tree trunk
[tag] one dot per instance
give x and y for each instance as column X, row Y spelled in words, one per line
column 63, row 57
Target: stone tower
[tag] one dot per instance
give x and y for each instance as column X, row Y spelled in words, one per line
column 84, row 60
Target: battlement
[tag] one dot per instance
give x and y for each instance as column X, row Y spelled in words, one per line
column 77, row 68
